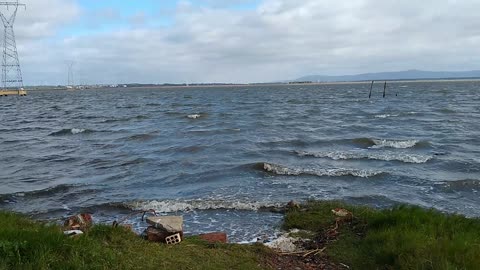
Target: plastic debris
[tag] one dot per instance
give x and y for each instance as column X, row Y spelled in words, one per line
column 79, row 222
column 72, row 232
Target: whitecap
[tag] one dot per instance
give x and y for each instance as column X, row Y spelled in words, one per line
column 386, row 115
column 332, row 172
column 194, row 116
column 379, row 143
column 384, row 156
column 77, row 130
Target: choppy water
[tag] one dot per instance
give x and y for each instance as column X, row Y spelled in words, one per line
column 222, row 156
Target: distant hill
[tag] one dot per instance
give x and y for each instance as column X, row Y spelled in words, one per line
column 399, row 75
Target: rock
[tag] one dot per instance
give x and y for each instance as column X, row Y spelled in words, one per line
column 284, row 243
column 216, row 237
column 79, row 222
column 293, row 205
column 170, row 224
column 156, row 235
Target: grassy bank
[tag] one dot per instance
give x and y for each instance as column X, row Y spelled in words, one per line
column 28, row 245
column 401, row 238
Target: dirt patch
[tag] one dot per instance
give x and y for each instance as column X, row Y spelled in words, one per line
column 299, row 262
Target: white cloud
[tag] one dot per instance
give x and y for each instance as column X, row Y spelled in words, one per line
column 281, row 39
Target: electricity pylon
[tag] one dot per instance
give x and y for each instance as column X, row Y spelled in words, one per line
column 11, row 72
column 70, row 79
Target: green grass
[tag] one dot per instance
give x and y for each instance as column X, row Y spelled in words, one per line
column 404, row 237
column 25, row 244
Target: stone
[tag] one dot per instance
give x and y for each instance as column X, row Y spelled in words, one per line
column 170, row 224
column 293, row 205
column 216, row 237
column 156, row 235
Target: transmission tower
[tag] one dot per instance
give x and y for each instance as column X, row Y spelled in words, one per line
column 11, row 72
column 70, row 79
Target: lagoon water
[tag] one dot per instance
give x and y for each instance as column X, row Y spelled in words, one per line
column 222, row 157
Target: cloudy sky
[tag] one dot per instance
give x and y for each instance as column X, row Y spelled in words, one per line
column 157, row 41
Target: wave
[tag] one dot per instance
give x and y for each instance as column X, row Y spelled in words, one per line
column 384, row 143
column 461, row 185
column 63, row 188
column 213, row 131
column 385, row 156
column 169, row 206
column 72, row 131
column 284, row 143
column 333, row 172
column 127, row 119
column 141, row 137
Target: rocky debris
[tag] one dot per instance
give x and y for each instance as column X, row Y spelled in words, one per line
column 166, row 229
column 216, row 237
column 80, row 222
column 291, row 205
column 288, row 242
column 153, row 234
column 173, row 239
column 284, row 243
column 170, row 224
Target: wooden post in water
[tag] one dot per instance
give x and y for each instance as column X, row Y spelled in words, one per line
column 371, row 87
column 384, row 89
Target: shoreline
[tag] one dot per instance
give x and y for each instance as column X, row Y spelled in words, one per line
column 258, row 85
column 319, row 235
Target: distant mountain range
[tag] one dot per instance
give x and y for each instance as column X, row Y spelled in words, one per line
column 399, row 75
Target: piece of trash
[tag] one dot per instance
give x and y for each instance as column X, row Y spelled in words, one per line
column 72, row 232
column 340, row 212
column 79, row 222
column 216, row 237
column 173, row 239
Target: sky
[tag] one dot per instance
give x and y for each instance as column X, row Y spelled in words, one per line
column 239, row 41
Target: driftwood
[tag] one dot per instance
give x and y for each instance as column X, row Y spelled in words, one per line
column 304, row 253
